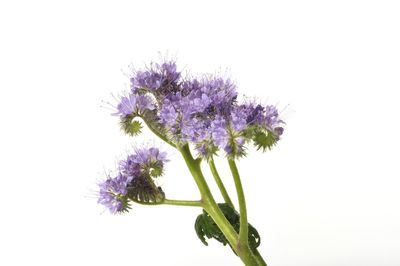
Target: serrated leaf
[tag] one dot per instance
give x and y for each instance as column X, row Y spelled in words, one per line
column 254, row 238
column 206, row 227
column 199, row 227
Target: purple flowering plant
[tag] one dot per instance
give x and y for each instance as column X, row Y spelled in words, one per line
column 200, row 116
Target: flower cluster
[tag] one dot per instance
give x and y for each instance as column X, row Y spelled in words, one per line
column 134, row 180
column 160, row 79
column 113, row 192
column 134, row 104
column 201, row 111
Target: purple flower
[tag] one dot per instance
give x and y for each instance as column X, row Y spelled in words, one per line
column 203, row 111
column 160, row 78
column 278, row 130
column 129, row 166
column 272, row 120
column 148, row 156
column 255, row 115
column 211, row 96
column 239, row 120
column 113, row 191
column 134, row 103
column 202, row 149
column 168, row 115
column 196, row 105
column 141, row 161
column 145, row 80
column 133, row 179
column 219, row 132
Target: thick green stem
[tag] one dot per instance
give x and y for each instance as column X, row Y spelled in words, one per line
column 208, row 203
column 244, row 227
column 208, row 200
column 214, row 211
column 219, row 182
column 259, row 258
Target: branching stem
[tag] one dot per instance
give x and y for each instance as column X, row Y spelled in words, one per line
column 244, row 227
column 239, row 243
column 190, row 203
column 219, row 182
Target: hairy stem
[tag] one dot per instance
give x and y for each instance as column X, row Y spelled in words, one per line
column 219, row 182
column 244, row 227
column 159, row 134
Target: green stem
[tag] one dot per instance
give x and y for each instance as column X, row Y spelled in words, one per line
column 209, row 203
column 159, row 134
column 219, row 182
column 193, row 203
column 214, row 211
column 259, row 258
column 244, row 227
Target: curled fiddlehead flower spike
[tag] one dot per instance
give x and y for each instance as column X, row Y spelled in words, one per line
column 135, row 181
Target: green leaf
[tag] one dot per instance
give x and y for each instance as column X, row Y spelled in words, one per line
column 205, row 227
column 200, row 226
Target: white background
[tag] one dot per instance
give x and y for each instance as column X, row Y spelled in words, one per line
column 328, row 194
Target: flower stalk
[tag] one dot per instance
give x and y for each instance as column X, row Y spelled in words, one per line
column 189, row 203
column 244, row 228
column 159, row 134
column 219, row 182
column 240, row 246
column 208, row 200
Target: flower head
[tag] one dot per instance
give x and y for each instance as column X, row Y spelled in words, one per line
column 134, row 103
column 113, row 192
column 160, row 78
column 134, row 180
column 202, row 111
column 272, row 120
